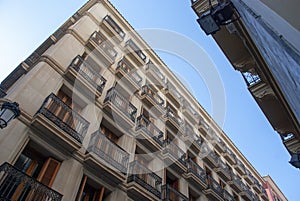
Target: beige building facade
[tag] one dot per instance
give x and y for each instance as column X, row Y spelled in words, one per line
column 103, row 118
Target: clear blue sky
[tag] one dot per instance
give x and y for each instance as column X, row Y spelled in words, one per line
column 26, row 24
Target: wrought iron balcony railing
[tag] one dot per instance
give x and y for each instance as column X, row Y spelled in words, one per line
column 240, row 167
column 2, row 93
column 104, row 45
column 64, row 117
column 214, row 186
column 171, row 194
column 129, row 70
column 229, row 156
column 16, row 185
column 121, row 103
column 170, row 113
column 145, row 177
column 115, row 26
column 88, row 73
column 227, row 196
column 194, row 168
column 152, row 131
column 147, row 90
column 136, row 49
column 150, row 67
column 171, row 148
column 174, row 92
column 235, row 183
column 110, row 152
column 223, row 170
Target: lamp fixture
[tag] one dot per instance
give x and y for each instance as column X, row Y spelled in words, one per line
column 8, row 112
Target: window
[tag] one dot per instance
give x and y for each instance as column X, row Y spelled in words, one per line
column 91, row 191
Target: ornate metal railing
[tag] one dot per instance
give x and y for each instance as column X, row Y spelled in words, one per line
column 214, row 185
column 145, row 177
column 250, row 78
column 194, row 168
column 171, row 148
column 150, row 129
column 115, row 26
column 146, row 89
column 2, row 93
column 172, row 90
column 236, row 180
column 130, row 70
column 16, row 185
column 171, row 194
column 189, row 133
column 64, row 117
column 155, row 71
column 121, row 103
column 110, row 152
column 136, row 49
column 240, row 165
column 173, row 115
column 223, row 166
column 104, row 44
column 88, row 73
column 227, row 196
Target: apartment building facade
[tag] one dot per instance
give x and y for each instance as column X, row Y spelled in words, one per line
column 103, row 118
column 261, row 40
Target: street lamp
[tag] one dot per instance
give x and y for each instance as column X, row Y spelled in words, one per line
column 295, row 160
column 8, row 112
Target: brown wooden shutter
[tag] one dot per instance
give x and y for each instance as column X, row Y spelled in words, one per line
column 49, row 172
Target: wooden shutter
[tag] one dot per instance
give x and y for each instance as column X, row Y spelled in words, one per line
column 49, row 172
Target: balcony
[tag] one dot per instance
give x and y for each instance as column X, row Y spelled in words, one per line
column 196, row 144
column 292, row 142
column 188, row 134
column 135, row 53
column 195, row 175
column 174, row 157
column 256, row 185
column 102, row 48
column 59, row 124
column 16, row 185
column 246, row 194
column 80, row 70
column 113, row 29
column 203, row 127
column 150, row 97
column 214, row 190
column 190, row 113
column 209, row 156
column 171, row 194
column 229, row 156
column 223, row 171
column 172, row 94
column 2, row 93
column 239, row 167
column 227, row 196
column 148, row 134
column 106, row 159
column 220, row 145
column 235, row 183
column 142, row 183
column 264, row 194
column 154, row 74
column 172, row 120
column 119, row 109
column 248, row 176
column 129, row 75
column 202, row 6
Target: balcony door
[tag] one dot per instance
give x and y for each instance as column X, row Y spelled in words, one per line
column 90, row 191
column 34, row 165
